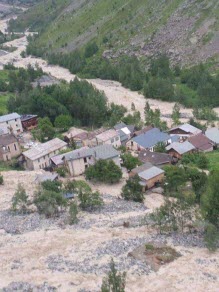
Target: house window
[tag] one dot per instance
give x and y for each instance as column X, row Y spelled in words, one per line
column 39, row 160
column 7, row 122
column 15, row 120
column 15, row 147
column 40, row 166
column 85, row 159
column 117, row 138
column 7, row 157
column 132, row 143
column 8, row 148
column 86, row 166
column 44, row 157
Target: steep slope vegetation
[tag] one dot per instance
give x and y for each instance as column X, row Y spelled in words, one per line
column 186, row 30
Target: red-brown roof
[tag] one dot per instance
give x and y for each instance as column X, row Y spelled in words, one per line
column 201, row 142
column 143, row 131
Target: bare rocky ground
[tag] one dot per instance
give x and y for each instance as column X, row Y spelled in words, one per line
column 38, row 254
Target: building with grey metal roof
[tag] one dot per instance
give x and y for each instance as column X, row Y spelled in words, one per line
column 213, row 135
column 181, row 148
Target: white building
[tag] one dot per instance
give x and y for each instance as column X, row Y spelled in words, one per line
column 12, row 122
column 109, row 137
column 39, row 156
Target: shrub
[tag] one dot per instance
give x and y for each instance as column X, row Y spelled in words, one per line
column 73, row 212
column 62, row 171
column 49, row 203
column 211, row 237
column 114, row 281
column 1, row 180
column 129, row 161
column 20, row 199
column 53, row 186
column 104, row 171
column 90, row 200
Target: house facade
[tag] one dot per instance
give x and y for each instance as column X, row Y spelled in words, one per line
column 184, row 131
column 39, row 156
column 178, row 149
column 77, row 161
column 149, row 175
column 9, row 147
column 12, row 122
column 29, row 122
column 110, row 137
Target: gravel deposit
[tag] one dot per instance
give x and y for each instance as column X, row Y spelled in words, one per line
column 27, row 287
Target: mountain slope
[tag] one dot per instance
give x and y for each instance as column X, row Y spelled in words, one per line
column 186, row 30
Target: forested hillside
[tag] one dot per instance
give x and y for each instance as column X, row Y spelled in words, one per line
column 185, row 30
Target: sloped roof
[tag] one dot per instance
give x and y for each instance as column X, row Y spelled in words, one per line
column 181, row 148
column 142, row 167
column 105, row 151
column 150, row 173
column 155, row 158
column 47, row 176
column 143, row 131
column 151, row 138
column 27, row 117
column 9, row 117
column 213, row 134
column 44, row 149
column 107, row 135
column 120, row 126
column 58, row 159
column 188, row 129
column 201, row 142
column 7, row 139
column 78, row 153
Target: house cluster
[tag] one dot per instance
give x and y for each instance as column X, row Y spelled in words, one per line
column 104, row 144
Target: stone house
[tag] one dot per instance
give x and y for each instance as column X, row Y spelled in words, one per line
column 156, row 158
column 178, row 149
column 12, row 122
column 201, row 143
column 29, row 122
column 9, row 147
column 149, row 175
column 184, row 131
column 110, row 137
column 39, row 156
column 77, row 161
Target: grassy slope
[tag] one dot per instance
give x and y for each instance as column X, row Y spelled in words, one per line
column 213, row 158
column 69, row 24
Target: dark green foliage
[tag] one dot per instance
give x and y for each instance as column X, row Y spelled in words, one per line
column 89, row 200
column 159, row 88
column 211, row 237
column 1, row 179
column 45, row 130
column 175, row 178
column 198, row 159
column 153, row 118
column 160, row 147
column 205, row 113
column 114, row 281
column 132, row 191
column 210, row 200
column 73, row 212
column 160, row 67
column 77, row 186
column 116, row 114
column 129, row 161
column 197, row 125
column 90, row 49
column 63, row 122
column 49, row 203
column 53, row 186
column 176, row 114
column 104, row 171
column 20, row 199
column 62, row 171
column 134, row 119
column 199, row 182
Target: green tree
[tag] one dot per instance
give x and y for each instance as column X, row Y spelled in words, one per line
column 91, row 49
column 175, row 178
column 1, row 179
column 132, row 190
column 49, row 203
column 63, row 122
column 210, row 200
column 77, row 186
column 211, row 237
column 20, row 199
column 53, row 186
column 176, row 114
column 159, row 88
column 45, row 130
column 73, row 212
column 104, row 171
column 90, row 200
column 160, row 147
column 129, row 161
column 114, row 281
